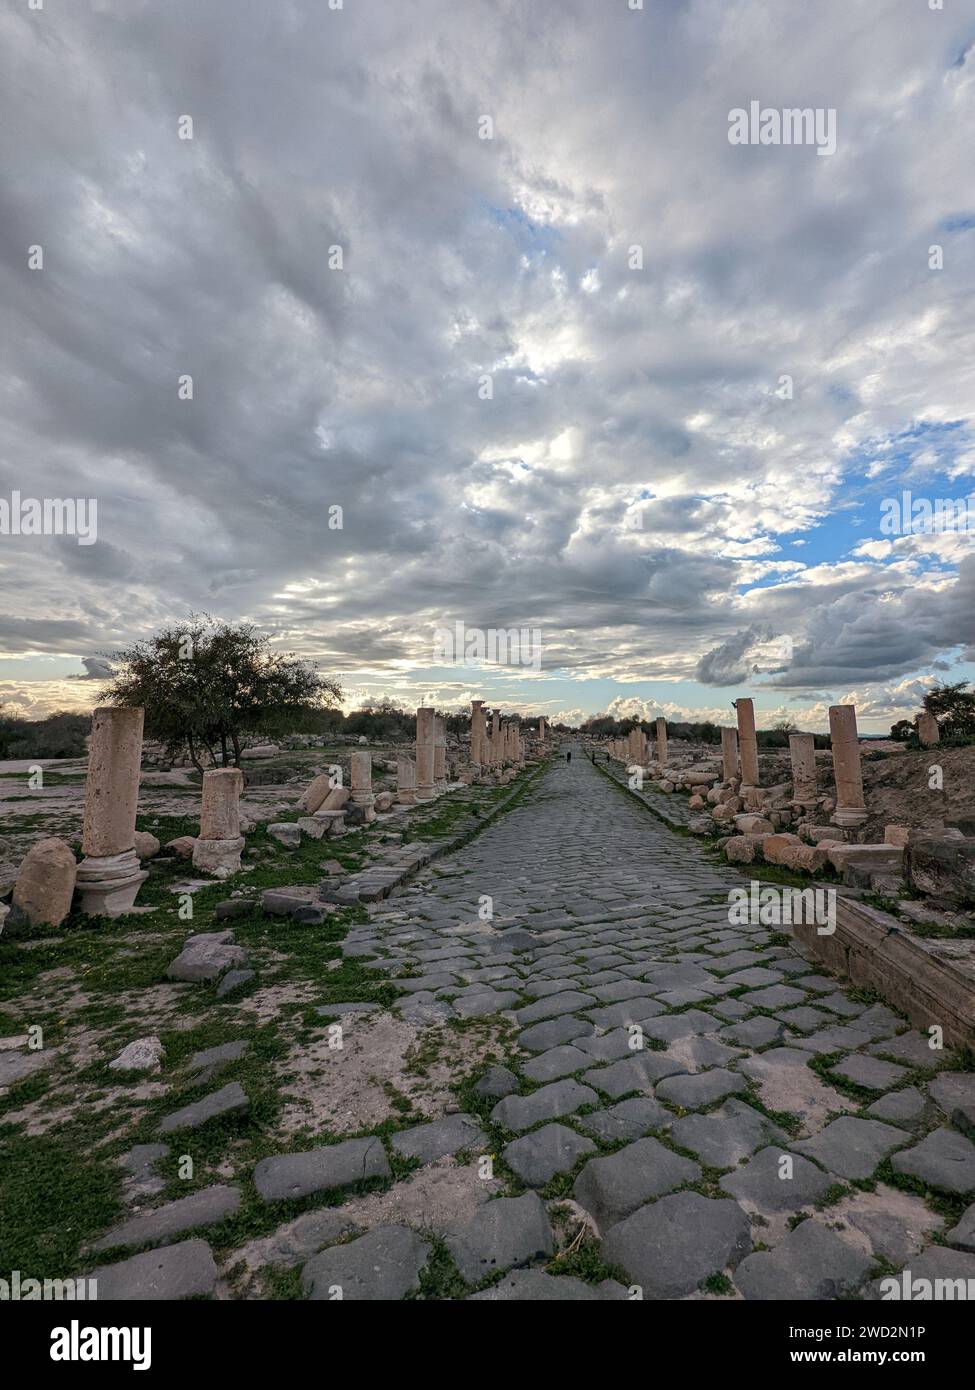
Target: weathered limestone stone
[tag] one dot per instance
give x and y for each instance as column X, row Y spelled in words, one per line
column 217, row 850
column 942, row 867
column 477, row 734
column 850, row 810
column 207, row 956
column 362, row 794
column 747, row 742
column 496, row 749
column 146, row 845
column 439, row 753
column 661, row 749
column 802, row 752
column 182, row 845
column 315, row 794
column 109, row 876
column 928, row 731
column 729, row 754
column 405, row 780
column 287, row 833
column 425, row 781
column 46, row 882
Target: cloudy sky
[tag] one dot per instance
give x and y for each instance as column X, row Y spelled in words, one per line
column 675, row 471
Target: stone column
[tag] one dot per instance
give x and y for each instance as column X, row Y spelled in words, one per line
column 747, row 742
column 850, row 810
column 927, row 730
column 662, row 742
column 218, row 847
column 729, row 754
column 425, row 788
column 439, row 753
column 109, row 876
column 497, row 752
column 802, row 751
column 541, row 729
column 477, row 734
column 361, row 784
column 405, row 780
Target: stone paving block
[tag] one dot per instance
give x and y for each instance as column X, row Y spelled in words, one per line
column 697, row 1053
column 674, row 1026
column 869, row 1072
column 919, row 1281
column 548, row 1103
column 610, row 1188
column 567, row 1002
column 671, row 1246
column 755, row 977
column 203, row 1208
column 754, row 1032
column 227, row 1101
column 954, row 1092
column 904, row 1107
column 805, row 1019
column 186, row 1270
column 607, row 1047
column 382, row 1266
column 759, row 1183
column 541, row 1036
column 556, row 1063
column 538, row 1156
column 726, row 1136
column 700, row 1090
column 287, row 1176
column 811, row 1263
column 775, row 997
column 944, row 1159
column 911, row 1049
column 963, row 1235
column 497, row 1082
column 436, row 1140
column 503, row 1233
column 636, row 1010
column 484, row 1002
column 535, row 1286
column 629, row 1119
column 635, row 1073
column 852, row 1147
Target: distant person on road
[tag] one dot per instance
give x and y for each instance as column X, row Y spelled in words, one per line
column 568, row 756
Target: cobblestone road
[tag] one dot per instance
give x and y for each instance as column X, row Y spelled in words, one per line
column 734, row 1122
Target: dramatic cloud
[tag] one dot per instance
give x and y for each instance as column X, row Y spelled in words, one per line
column 597, row 374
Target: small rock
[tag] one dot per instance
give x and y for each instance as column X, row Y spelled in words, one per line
column 146, row 845
column 145, row 1054
column 227, row 1101
column 505, row 1232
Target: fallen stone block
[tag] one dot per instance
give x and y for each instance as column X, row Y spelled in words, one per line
column 46, row 883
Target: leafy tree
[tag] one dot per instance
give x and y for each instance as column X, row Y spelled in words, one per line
column 204, row 684
column 954, row 708
column 60, row 735
column 903, row 730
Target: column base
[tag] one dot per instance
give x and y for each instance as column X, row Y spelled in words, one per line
column 108, row 885
column 848, row 817
column 367, row 801
column 406, row 798
column 219, row 858
column 426, row 793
